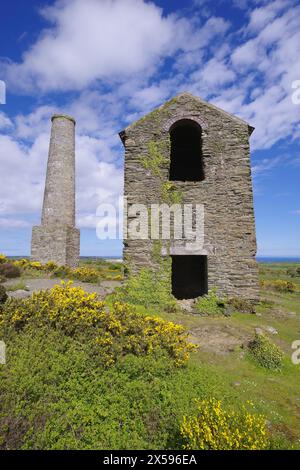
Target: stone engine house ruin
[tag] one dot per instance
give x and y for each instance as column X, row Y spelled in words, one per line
column 192, row 152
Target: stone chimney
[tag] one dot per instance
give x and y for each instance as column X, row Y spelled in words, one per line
column 57, row 239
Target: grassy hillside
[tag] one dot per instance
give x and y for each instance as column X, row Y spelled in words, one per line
column 58, row 392
column 224, row 357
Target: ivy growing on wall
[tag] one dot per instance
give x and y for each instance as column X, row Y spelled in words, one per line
column 155, row 162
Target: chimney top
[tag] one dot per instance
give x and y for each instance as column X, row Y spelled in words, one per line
column 64, row 116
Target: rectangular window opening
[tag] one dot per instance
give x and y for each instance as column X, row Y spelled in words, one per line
column 189, row 276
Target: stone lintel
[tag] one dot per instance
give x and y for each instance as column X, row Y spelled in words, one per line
column 188, row 248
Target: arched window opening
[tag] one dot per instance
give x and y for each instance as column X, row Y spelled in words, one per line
column 186, row 151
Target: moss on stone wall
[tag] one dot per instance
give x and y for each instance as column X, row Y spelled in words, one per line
column 158, row 114
column 171, row 195
column 156, row 250
column 156, row 162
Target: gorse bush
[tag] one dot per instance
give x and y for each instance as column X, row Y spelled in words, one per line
column 82, row 375
column 216, row 428
column 9, row 270
column 50, row 266
column 61, row 271
column 79, row 375
column 210, row 304
column 279, row 285
column 114, row 333
column 3, row 259
column 86, row 273
column 54, row 394
column 266, row 353
column 28, row 264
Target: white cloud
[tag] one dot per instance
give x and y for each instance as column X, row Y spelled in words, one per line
column 265, row 66
column 22, row 177
column 5, row 122
column 261, row 17
column 11, row 223
column 93, row 40
column 22, row 168
column 248, row 73
column 97, row 181
column 214, row 73
column 35, row 123
column 149, row 97
column 265, row 165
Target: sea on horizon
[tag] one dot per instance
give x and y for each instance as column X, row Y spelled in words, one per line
column 260, row 259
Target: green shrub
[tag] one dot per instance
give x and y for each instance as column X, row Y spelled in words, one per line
column 21, row 285
column 216, row 428
column 61, row 272
column 241, row 305
column 266, row 303
column 115, row 266
column 210, row 304
column 266, row 353
column 3, row 295
column 9, row 270
column 293, row 272
column 55, row 395
column 61, row 390
column 148, row 288
column 279, row 285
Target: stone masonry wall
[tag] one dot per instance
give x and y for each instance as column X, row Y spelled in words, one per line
column 226, row 192
column 58, row 243
column 57, row 239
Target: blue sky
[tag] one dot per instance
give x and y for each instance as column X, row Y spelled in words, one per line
column 108, row 62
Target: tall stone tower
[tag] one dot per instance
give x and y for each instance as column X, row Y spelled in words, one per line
column 57, row 239
column 190, row 152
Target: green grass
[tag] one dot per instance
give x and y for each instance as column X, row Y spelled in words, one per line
column 54, row 395
column 21, row 285
column 273, row 271
column 276, row 394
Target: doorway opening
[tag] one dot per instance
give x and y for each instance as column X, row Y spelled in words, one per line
column 189, row 276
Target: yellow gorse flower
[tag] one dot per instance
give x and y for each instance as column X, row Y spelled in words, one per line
column 82, row 273
column 114, row 332
column 216, row 428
